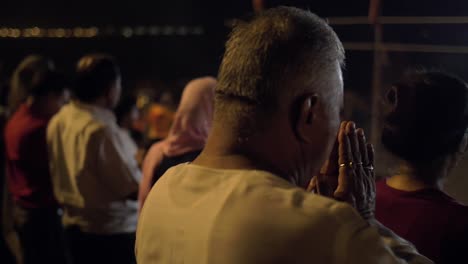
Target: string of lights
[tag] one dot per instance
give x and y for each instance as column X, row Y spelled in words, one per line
column 94, row 32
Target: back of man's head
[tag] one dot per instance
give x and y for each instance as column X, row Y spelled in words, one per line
column 267, row 56
column 95, row 76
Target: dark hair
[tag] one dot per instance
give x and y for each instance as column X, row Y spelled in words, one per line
column 124, row 107
column 263, row 56
column 50, row 82
column 30, row 78
column 427, row 116
column 94, row 76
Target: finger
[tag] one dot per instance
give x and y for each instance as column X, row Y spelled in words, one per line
column 371, row 155
column 312, row 184
column 325, row 167
column 363, row 147
column 344, row 172
column 353, row 139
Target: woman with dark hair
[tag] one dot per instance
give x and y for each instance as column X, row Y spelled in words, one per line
column 425, row 128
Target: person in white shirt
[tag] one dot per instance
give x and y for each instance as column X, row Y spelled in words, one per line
column 244, row 199
column 127, row 113
column 95, row 178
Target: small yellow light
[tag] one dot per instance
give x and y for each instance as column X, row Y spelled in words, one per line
column 59, row 33
column 142, row 101
column 26, row 33
column 3, row 32
column 92, row 32
column 78, row 32
column 50, row 33
column 35, row 32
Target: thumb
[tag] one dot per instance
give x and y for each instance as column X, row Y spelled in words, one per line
column 312, row 184
column 342, row 189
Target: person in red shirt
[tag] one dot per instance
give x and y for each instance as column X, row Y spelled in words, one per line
column 36, row 212
column 425, row 127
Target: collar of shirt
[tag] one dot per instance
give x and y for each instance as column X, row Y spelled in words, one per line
column 102, row 114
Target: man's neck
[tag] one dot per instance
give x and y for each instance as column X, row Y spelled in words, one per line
column 226, row 150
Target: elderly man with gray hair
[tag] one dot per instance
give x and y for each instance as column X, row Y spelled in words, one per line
column 276, row 121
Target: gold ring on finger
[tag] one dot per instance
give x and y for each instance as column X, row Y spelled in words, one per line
column 349, row 164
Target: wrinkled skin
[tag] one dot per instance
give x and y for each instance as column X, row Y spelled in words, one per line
column 348, row 175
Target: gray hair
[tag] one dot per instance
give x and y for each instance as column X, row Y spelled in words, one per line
column 263, row 56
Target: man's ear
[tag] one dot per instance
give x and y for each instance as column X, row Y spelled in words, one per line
column 306, row 117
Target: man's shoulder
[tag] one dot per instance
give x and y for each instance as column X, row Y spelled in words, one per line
column 74, row 118
column 259, row 191
column 314, row 208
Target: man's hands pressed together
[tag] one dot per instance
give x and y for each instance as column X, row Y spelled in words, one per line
column 348, row 175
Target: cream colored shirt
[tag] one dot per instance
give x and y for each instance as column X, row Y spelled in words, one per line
column 92, row 171
column 201, row 215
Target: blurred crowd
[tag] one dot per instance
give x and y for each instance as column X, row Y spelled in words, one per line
column 59, row 133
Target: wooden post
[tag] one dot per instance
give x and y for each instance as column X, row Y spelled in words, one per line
column 374, row 13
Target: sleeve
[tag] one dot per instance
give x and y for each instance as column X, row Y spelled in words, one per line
column 373, row 243
column 112, row 165
column 151, row 161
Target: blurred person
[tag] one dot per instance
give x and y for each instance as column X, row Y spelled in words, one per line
column 35, row 210
column 127, row 113
column 276, row 118
column 160, row 118
column 167, row 99
column 30, row 68
column 187, row 136
column 95, row 177
column 425, row 127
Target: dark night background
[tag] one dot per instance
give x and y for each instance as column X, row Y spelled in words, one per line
column 168, row 61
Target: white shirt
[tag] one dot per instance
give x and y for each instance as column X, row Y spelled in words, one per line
column 92, row 171
column 201, row 215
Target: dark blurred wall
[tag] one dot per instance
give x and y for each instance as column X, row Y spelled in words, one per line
column 169, row 58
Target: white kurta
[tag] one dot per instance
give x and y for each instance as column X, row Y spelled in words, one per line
column 200, row 215
column 93, row 170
